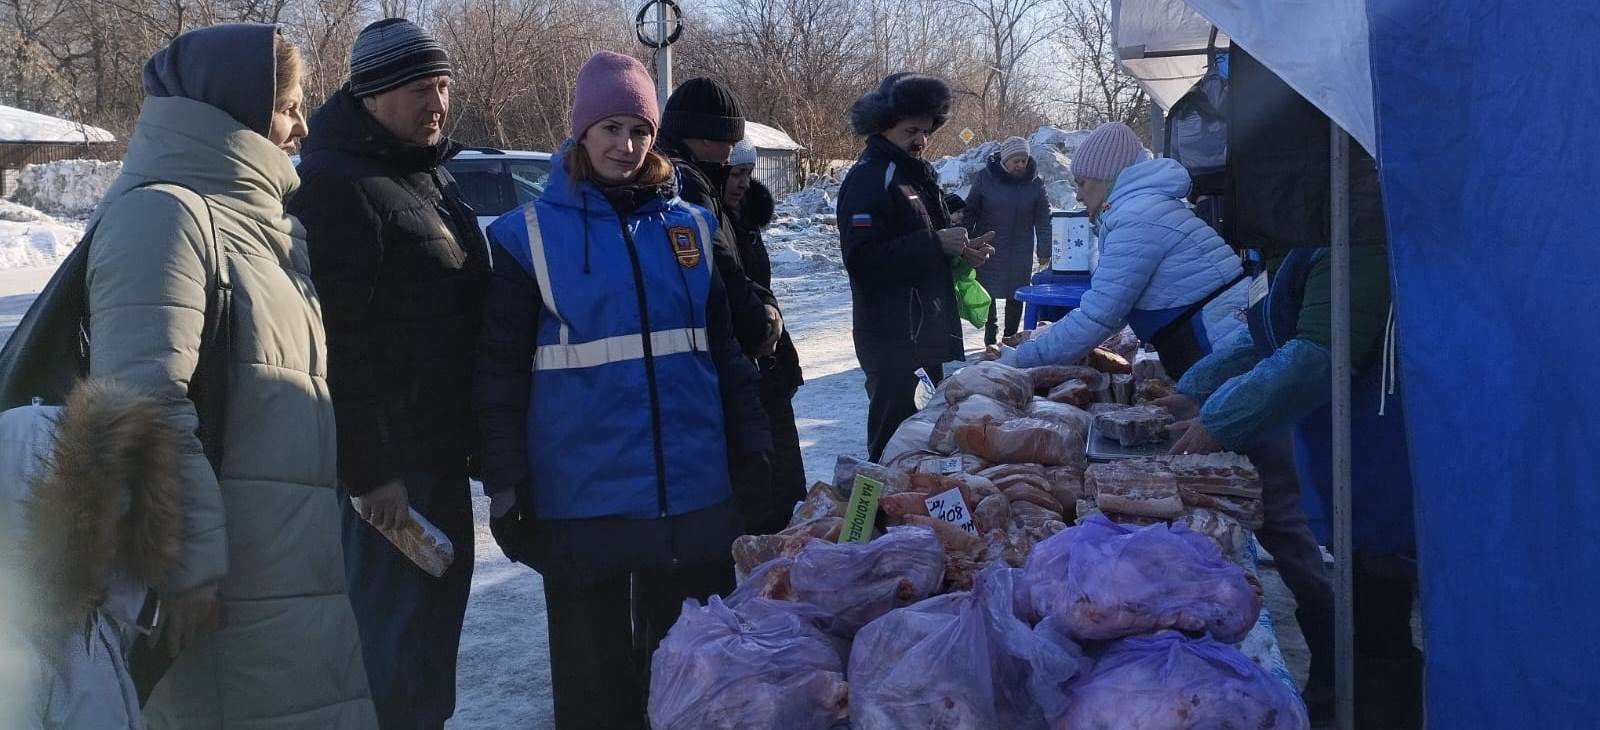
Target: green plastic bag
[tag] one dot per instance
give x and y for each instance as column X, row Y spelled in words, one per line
column 973, row 299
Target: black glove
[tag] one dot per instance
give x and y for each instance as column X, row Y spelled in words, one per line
column 513, row 532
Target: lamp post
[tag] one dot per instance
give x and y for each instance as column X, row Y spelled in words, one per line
column 658, row 25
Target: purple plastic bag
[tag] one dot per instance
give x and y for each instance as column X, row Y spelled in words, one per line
column 1171, row 682
column 924, row 666
column 856, row 583
column 1021, row 662
column 766, row 665
column 1108, row 581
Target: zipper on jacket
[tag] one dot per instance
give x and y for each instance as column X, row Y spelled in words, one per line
column 649, row 372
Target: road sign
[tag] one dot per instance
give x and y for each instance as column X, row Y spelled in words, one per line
column 967, row 136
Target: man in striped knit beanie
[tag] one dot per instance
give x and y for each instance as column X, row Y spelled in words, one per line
column 401, row 270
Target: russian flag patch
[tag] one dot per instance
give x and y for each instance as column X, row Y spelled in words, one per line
column 861, row 220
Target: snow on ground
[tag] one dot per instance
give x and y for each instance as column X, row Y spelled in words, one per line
column 30, row 239
column 68, row 188
column 21, row 125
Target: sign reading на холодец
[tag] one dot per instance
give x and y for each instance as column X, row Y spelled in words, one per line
column 861, row 511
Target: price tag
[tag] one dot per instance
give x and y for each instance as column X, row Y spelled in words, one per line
column 1258, row 289
column 861, row 511
column 950, row 507
column 950, row 466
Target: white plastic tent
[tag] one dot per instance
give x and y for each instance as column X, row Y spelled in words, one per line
column 1318, row 47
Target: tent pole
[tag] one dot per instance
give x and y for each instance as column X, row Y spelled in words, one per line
column 1343, row 607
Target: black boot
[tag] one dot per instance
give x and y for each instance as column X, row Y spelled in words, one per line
column 1389, row 692
column 1317, row 627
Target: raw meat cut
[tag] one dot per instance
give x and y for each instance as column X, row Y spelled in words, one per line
column 1123, row 581
column 1122, row 389
column 914, row 434
column 1223, row 474
column 970, row 411
column 1001, row 471
column 855, row 583
column 900, row 506
column 750, row 551
column 1066, row 483
column 1172, row 682
column 769, row 580
column 1045, row 379
column 931, row 485
column 1125, row 344
column 1226, row 532
column 847, row 468
column 1073, row 393
column 1003, row 383
column 1025, row 493
column 993, row 513
column 1249, row 512
column 1065, row 414
column 1135, row 426
column 1147, row 366
column 766, row 666
column 1022, row 440
column 1142, row 489
column 977, row 486
column 932, row 462
column 821, row 501
column 1153, row 389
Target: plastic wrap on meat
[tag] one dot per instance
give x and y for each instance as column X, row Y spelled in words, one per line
column 1022, row 440
column 1224, row 474
column 969, row 411
column 1027, row 493
column 821, row 501
column 1004, row 383
column 914, row 434
column 1066, row 483
column 897, row 507
column 1066, row 414
column 1135, row 426
column 1109, row 362
column 1057, row 661
column 1142, row 488
column 1073, row 393
column 999, row 472
column 1122, row 389
column 977, row 486
column 964, row 552
column 770, row 580
column 765, row 665
column 750, row 551
column 933, row 462
column 1249, row 512
column 1153, row 389
column 1046, row 378
column 993, row 513
column 1124, row 343
column 1226, row 532
column 1122, row 581
column 925, row 666
column 1172, row 682
column 1147, row 366
column 931, row 485
column 847, row 468
column 856, row 582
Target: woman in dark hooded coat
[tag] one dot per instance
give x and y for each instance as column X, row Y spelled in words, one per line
column 1008, row 198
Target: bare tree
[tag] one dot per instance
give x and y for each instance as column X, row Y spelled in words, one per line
column 1097, row 88
column 1011, row 30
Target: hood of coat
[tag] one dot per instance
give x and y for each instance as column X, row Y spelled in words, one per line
column 758, row 207
column 229, row 66
column 561, row 191
column 998, row 171
column 343, row 124
column 110, row 496
column 192, row 143
column 1161, row 177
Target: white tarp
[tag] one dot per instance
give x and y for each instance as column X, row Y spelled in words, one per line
column 21, row 125
column 1318, row 47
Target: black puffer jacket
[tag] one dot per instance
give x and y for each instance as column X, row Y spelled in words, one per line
column 701, row 183
column 401, row 269
column 901, row 284
column 781, row 370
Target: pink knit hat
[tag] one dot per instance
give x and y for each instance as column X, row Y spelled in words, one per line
column 1111, row 148
column 610, row 84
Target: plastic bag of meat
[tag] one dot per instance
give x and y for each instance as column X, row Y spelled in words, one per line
column 914, row 434
column 770, row 580
column 926, row 666
column 858, row 582
column 821, row 502
column 1171, row 682
column 847, row 468
column 1057, row 661
column 1046, row 378
column 1110, row 362
column 1066, row 414
column 1073, row 393
column 1022, row 440
column 1121, row 581
column 969, row 411
column 1124, row 343
column 1024, row 664
column 1003, row 383
column 768, row 667
column 933, row 462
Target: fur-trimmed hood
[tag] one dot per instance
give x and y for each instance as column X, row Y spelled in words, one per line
column 901, row 96
column 758, row 207
column 106, row 496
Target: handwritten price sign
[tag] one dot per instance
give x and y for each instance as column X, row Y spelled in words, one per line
column 950, row 507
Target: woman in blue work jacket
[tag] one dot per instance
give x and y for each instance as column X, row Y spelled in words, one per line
column 611, row 395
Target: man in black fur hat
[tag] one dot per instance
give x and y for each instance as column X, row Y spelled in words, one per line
column 899, row 247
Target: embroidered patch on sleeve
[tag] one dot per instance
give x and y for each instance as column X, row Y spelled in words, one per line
column 684, row 247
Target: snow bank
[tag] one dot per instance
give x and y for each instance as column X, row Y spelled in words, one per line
column 67, row 188
column 29, row 238
column 21, row 125
column 1052, row 150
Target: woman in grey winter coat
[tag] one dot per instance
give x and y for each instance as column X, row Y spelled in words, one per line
column 1008, row 198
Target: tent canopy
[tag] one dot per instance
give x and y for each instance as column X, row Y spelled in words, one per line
column 1318, row 47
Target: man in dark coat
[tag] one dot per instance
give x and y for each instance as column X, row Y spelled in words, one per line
column 899, row 247
column 401, row 269
column 700, row 124
column 750, row 209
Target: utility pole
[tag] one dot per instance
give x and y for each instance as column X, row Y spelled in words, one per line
column 658, row 25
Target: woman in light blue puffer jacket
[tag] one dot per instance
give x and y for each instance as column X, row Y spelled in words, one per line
column 1162, row 270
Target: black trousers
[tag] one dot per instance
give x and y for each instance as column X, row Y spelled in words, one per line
column 767, row 502
column 1013, row 320
column 1286, row 534
column 602, row 635
column 891, row 399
